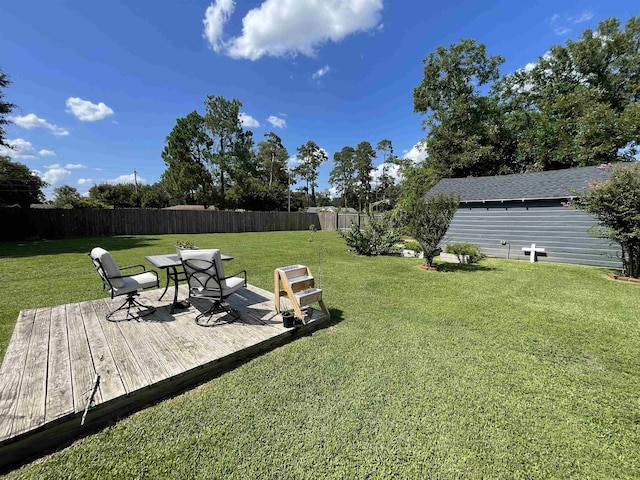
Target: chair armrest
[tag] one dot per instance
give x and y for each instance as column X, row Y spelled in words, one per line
column 244, row 273
column 144, row 269
column 134, row 274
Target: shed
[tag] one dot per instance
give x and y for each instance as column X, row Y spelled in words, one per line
column 504, row 213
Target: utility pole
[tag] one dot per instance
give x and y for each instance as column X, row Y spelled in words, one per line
column 289, row 190
column 135, row 179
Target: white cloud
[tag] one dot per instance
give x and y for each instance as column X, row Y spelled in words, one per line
column 23, row 149
column 392, row 171
column 131, row 178
column 561, row 30
column 248, row 121
column 55, row 174
column 417, row 153
column 581, row 18
column 215, row 17
column 554, row 17
column 31, row 120
column 86, row 111
column 74, row 166
column 84, row 181
column 321, row 72
column 277, row 122
column 293, row 161
column 281, row 28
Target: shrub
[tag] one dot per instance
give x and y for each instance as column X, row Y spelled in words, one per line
column 427, row 220
column 415, row 246
column 471, row 250
column 616, row 204
column 378, row 237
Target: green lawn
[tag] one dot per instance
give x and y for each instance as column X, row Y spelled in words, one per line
column 501, row 370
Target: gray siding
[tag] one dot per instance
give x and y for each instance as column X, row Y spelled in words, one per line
column 561, row 231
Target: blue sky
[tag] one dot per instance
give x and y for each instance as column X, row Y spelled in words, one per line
column 99, row 85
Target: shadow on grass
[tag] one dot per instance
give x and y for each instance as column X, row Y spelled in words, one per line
column 463, row 267
column 75, row 245
column 336, row 316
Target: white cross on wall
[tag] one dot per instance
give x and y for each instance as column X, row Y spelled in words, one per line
column 532, row 250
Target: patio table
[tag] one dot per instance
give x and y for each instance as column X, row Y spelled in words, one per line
column 170, row 263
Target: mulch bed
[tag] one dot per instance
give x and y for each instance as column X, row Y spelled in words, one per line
column 620, row 278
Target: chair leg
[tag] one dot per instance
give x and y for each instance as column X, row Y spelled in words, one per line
column 217, row 306
column 127, row 304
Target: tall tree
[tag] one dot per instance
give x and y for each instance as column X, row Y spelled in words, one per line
column 385, row 181
column 342, row 177
column 461, row 120
column 186, row 178
column 364, row 156
column 18, row 185
column 579, row 105
column 5, row 107
column 311, row 156
column 273, row 156
column 229, row 141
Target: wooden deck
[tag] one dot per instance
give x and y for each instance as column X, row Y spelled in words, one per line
column 56, row 353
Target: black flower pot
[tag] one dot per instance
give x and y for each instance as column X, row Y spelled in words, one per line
column 288, row 319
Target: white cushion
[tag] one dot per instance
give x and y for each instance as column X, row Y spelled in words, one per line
column 137, row 282
column 108, row 265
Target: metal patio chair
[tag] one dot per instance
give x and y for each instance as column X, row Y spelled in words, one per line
column 116, row 284
column 206, row 279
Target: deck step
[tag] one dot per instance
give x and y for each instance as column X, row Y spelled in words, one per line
column 308, row 296
column 300, row 279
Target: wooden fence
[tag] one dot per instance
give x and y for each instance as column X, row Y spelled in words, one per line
column 20, row 224
column 342, row 221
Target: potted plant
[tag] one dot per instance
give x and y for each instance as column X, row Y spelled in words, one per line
column 180, row 245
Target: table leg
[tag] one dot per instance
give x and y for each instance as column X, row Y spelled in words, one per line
column 166, row 287
column 175, row 290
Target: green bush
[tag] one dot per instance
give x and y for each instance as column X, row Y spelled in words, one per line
column 378, row 237
column 411, row 245
column 427, row 220
column 616, row 204
column 461, row 249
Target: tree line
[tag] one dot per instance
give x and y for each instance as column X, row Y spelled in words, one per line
column 578, row 105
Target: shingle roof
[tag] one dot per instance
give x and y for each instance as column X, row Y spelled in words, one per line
column 523, row 186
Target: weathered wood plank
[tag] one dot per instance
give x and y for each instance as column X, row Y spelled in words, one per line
column 12, row 370
column 111, row 385
column 59, row 401
column 190, row 344
column 132, row 374
column 163, row 347
column 141, row 349
column 82, row 369
column 30, row 403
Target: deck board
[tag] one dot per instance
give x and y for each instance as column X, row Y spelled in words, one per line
column 12, row 370
column 59, row 401
column 30, row 403
column 134, row 375
column 82, row 369
column 55, row 353
column 111, row 385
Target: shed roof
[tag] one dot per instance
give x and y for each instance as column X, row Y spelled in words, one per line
column 552, row 184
